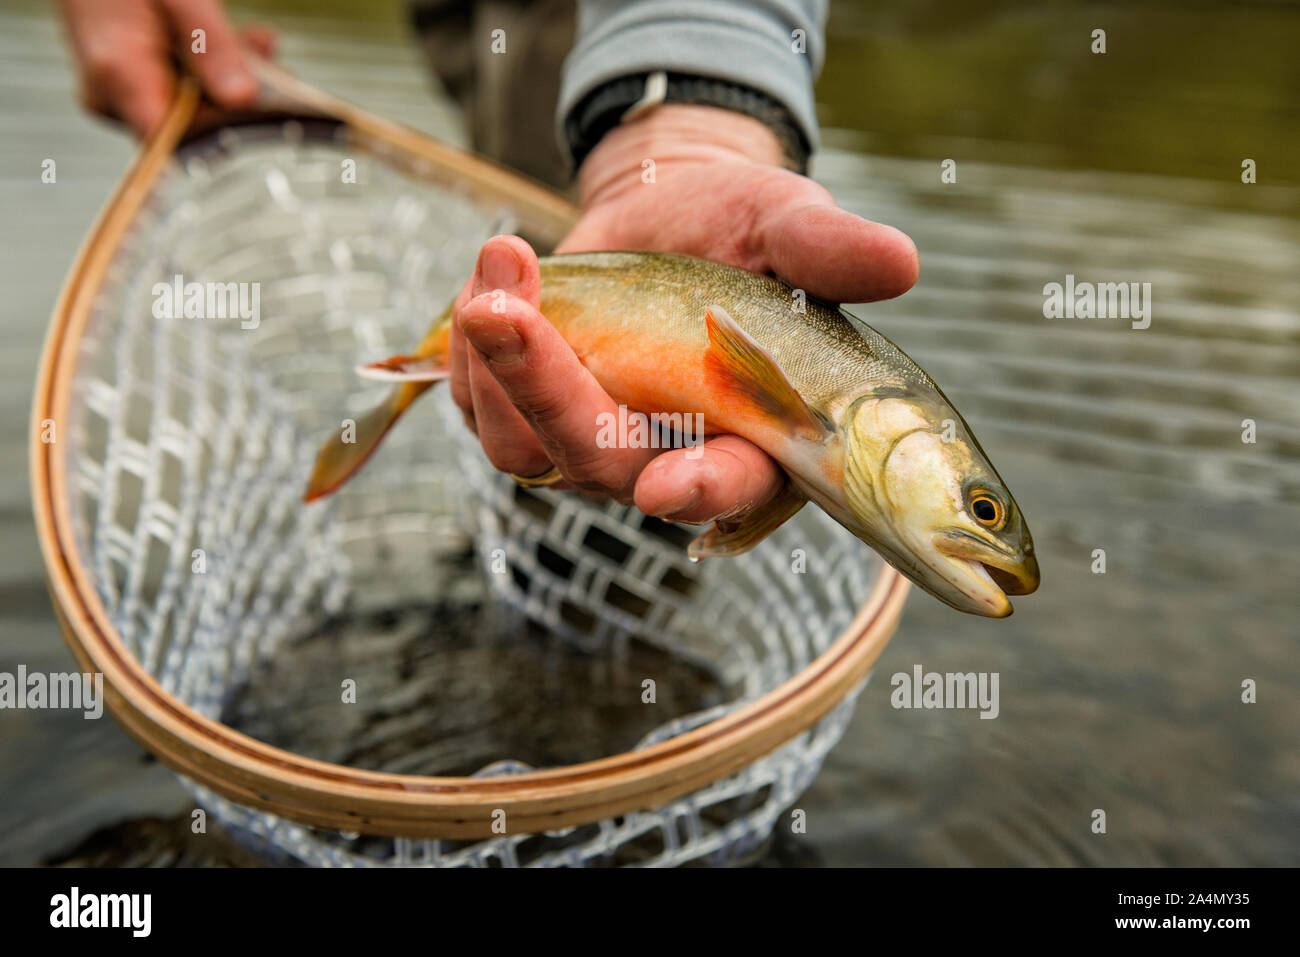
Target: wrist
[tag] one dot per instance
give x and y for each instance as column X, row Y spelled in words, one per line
column 670, row 135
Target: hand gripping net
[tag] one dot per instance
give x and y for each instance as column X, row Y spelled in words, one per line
column 188, row 443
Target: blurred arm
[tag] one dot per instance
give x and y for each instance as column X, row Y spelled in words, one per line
column 772, row 47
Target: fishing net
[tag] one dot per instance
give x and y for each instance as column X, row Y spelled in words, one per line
column 432, row 618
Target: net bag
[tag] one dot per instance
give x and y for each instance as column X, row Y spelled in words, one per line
column 435, row 666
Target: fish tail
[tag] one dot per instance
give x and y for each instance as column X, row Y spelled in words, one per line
column 346, row 451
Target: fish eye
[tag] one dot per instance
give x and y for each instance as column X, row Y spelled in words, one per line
column 987, row 509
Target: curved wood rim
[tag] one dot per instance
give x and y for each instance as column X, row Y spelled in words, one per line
column 540, row 210
column 347, row 799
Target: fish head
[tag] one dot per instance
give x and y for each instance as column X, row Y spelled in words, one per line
column 921, row 491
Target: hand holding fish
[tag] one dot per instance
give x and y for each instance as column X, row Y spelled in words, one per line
column 533, row 404
column 718, row 193
column 804, row 402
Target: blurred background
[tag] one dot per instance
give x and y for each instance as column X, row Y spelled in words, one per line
column 1119, row 691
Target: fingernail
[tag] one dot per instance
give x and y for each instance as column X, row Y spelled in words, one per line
column 684, row 502
column 495, row 341
column 501, row 268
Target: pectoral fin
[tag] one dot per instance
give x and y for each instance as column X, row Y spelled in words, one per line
column 406, row 369
column 725, row 539
column 428, row 363
column 737, row 364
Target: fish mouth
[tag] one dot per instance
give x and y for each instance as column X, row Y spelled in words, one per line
column 994, row 573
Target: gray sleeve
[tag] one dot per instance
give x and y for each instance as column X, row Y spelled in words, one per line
column 749, row 42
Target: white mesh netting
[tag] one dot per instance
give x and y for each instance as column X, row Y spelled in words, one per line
column 191, row 442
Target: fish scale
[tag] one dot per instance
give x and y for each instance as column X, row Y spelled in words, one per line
column 671, row 294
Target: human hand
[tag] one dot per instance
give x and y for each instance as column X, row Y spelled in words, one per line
column 126, row 55
column 718, row 193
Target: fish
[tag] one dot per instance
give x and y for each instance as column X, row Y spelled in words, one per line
column 858, row 427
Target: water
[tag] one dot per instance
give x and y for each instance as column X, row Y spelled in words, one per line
column 1119, row 691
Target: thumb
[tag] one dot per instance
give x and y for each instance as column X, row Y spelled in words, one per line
column 837, row 256
column 210, row 46
column 507, row 264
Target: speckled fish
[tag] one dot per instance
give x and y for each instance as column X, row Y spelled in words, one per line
column 859, row 428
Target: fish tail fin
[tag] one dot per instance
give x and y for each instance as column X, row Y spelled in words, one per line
column 346, row 451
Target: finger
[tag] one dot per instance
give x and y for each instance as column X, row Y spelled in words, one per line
column 506, row 266
column 123, row 61
column 259, row 41
column 218, row 60
column 138, row 92
column 260, row 38
column 540, row 375
column 508, row 441
column 834, row 255
column 725, row 478
column 457, row 351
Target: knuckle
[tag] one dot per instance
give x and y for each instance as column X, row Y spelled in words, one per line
column 585, row 481
column 100, row 63
column 543, row 404
column 501, row 459
column 99, row 71
column 90, row 99
column 463, row 396
column 597, row 472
